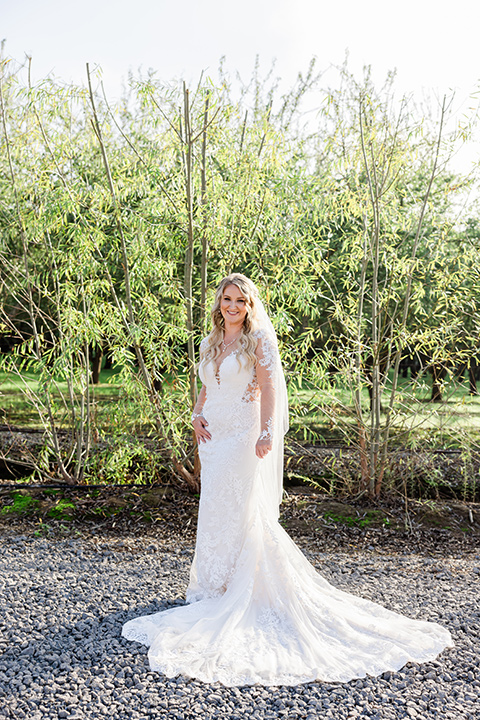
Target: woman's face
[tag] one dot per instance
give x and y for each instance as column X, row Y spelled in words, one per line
column 233, row 306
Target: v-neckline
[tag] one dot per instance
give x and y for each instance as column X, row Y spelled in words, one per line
column 217, row 368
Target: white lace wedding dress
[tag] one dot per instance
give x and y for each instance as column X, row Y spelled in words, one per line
column 258, row 611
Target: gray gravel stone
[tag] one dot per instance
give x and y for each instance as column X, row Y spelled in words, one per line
column 64, row 602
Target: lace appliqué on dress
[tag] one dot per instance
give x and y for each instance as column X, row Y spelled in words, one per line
column 267, row 433
column 268, row 357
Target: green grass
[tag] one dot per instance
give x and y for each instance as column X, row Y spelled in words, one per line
column 21, row 504
column 372, row 516
column 17, row 409
column 326, row 413
column 330, row 412
column 62, row 510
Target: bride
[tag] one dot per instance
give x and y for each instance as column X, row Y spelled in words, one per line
column 258, row 612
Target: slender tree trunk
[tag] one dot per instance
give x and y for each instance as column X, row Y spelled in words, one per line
column 187, row 155
column 128, row 320
column 438, row 375
column 358, row 370
column 472, row 376
column 376, row 183
column 203, row 203
column 97, row 358
column 406, row 300
column 374, row 192
column 188, row 272
column 204, row 261
column 126, row 265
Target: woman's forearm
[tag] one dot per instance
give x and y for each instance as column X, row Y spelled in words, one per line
column 202, row 396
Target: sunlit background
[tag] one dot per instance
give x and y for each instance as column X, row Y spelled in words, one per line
column 432, row 46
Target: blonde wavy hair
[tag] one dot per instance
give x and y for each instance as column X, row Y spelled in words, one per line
column 248, row 343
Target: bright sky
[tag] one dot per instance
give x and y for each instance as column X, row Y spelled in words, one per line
column 433, row 44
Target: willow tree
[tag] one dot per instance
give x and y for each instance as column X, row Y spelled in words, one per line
column 382, row 235
column 122, row 209
column 132, row 212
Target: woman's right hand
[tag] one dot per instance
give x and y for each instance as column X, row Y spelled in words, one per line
column 200, row 428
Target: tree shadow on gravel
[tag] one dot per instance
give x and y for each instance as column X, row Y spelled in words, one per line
column 86, row 669
column 70, row 665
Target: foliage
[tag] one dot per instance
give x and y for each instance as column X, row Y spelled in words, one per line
column 117, row 222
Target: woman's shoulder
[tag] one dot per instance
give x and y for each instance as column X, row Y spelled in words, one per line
column 204, row 344
column 266, row 347
column 262, row 336
column 259, row 334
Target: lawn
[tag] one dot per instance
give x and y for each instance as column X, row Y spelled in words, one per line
column 324, row 415
column 329, row 413
column 18, row 410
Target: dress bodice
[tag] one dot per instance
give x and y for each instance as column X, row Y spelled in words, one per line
column 233, row 381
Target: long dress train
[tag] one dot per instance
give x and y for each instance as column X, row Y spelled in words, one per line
column 258, row 611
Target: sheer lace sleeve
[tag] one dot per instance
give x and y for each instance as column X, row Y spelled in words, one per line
column 202, row 396
column 265, row 371
column 273, row 412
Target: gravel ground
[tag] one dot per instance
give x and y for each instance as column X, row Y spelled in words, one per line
column 64, row 602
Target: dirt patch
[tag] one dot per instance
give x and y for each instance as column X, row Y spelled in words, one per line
column 390, row 514
column 421, row 526
column 49, row 511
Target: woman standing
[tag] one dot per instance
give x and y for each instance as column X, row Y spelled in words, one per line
column 258, row 611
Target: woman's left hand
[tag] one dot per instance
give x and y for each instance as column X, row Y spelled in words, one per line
column 263, row 447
